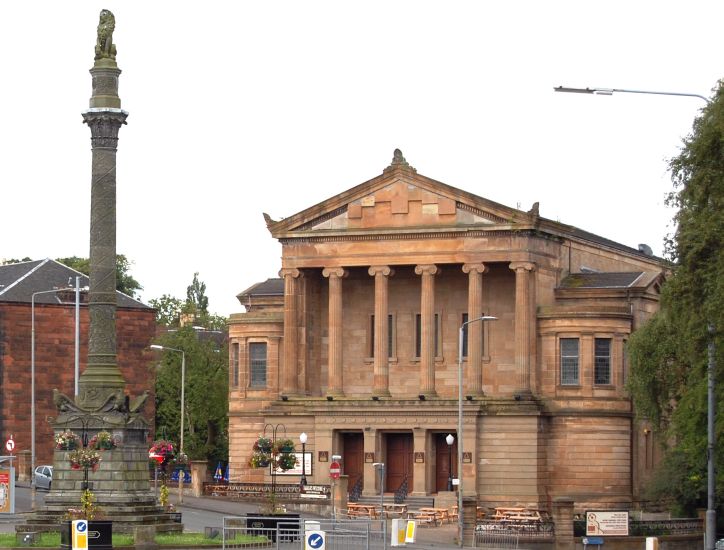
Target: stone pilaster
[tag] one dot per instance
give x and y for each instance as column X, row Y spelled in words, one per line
column 524, row 322
column 475, row 330
column 381, row 384
column 289, row 383
column 335, row 381
column 427, row 315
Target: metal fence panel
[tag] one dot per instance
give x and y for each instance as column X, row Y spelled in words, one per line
column 498, row 537
column 251, row 533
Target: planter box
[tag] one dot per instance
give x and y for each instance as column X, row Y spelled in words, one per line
column 262, row 525
column 100, row 535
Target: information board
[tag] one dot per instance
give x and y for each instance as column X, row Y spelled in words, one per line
column 607, row 523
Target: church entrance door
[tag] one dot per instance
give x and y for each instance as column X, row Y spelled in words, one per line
column 353, row 458
column 399, row 461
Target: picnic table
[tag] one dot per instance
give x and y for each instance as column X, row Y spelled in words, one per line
column 517, row 514
column 395, row 510
column 361, row 510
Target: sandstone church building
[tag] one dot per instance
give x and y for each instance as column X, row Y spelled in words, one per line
column 357, row 346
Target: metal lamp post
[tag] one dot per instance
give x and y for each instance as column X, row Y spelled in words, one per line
column 303, row 440
column 449, row 440
column 460, row 421
column 181, row 435
column 710, row 535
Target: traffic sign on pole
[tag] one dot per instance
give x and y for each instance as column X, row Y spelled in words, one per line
column 334, row 470
column 10, row 444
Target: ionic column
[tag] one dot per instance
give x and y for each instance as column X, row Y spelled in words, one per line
column 381, row 383
column 523, row 322
column 475, row 330
column 427, row 316
column 289, row 385
column 334, row 373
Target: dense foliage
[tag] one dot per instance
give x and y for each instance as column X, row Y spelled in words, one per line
column 124, row 280
column 669, row 355
column 206, row 394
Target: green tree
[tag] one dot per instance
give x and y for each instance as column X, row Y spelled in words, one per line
column 669, row 356
column 15, row 261
column 206, row 402
column 168, row 310
column 124, row 280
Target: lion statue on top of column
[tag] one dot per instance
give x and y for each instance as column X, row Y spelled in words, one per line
column 105, row 48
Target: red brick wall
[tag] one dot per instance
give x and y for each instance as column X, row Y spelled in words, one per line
column 54, row 365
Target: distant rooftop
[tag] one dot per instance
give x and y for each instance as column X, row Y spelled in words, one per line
column 19, row 281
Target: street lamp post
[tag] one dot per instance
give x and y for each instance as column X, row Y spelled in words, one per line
column 303, row 439
column 449, row 440
column 460, row 421
column 381, row 466
column 181, row 435
column 710, row 535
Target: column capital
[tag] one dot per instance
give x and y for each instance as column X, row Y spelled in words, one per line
column 429, row 269
column 335, row 272
column 528, row 266
column 475, row 268
column 385, row 270
column 292, row 272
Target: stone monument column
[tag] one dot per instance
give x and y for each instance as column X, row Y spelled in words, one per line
column 102, row 377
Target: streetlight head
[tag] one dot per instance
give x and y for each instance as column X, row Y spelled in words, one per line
column 488, row 318
column 574, row 90
column 156, row 346
column 303, row 438
column 449, row 439
column 378, row 464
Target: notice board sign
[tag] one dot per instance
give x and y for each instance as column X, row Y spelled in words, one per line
column 7, row 485
column 607, row 523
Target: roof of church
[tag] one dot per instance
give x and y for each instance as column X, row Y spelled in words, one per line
column 19, row 281
column 601, row 280
column 270, row 287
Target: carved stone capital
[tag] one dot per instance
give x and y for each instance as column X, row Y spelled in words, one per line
column 292, row 272
column 475, row 268
column 104, row 125
column 385, row 270
column 429, row 269
column 335, row 272
column 528, row 266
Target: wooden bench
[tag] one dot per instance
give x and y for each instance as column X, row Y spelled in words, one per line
column 362, row 510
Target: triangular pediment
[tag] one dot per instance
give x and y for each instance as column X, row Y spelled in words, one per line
column 397, row 200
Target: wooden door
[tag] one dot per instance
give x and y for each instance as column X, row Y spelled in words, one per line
column 444, row 462
column 353, row 458
column 399, row 461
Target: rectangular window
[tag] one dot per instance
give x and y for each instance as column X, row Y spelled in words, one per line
column 418, row 334
column 257, row 364
column 569, row 361
column 390, row 336
column 602, row 361
column 234, row 365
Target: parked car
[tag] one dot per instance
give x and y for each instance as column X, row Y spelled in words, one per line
column 43, row 477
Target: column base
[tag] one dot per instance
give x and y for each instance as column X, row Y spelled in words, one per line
column 523, row 395
column 381, row 393
column 427, row 395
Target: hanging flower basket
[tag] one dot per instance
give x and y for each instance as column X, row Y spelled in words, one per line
column 80, row 459
column 162, row 448
column 102, row 441
column 67, row 441
column 284, row 446
column 263, row 445
column 286, row 461
column 260, row 460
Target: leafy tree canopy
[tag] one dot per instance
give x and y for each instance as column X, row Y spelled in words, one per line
column 124, row 280
column 669, row 355
column 206, row 393
column 194, row 310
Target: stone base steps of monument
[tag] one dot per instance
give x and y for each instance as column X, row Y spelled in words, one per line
column 122, row 522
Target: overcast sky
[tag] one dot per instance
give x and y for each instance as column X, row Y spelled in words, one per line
column 239, row 108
